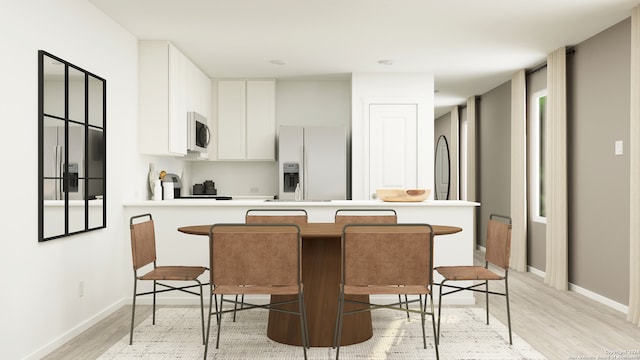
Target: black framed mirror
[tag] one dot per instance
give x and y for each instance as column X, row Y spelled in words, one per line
column 442, row 169
column 71, row 149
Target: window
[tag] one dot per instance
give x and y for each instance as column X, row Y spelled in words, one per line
column 536, row 151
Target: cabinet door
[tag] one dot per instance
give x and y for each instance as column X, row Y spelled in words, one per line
column 261, row 120
column 232, row 120
column 393, row 144
column 178, row 68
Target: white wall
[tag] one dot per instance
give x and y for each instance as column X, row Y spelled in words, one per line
column 298, row 102
column 40, row 306
column 390, row 88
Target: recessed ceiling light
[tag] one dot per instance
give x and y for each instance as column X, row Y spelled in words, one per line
column 385, row 62
column 278, row 62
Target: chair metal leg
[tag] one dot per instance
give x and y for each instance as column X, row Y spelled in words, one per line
column 486, row 293
column 506, row 292
column 206, row 343
column 219, row 321
column 202, row 312
column 235, row 308
column 439, row 311
column 339, row 324
column 423, row 308
column 433, row 324
column 335, row 333
column 154, row 303
column 406, row 301
column 133, row 309
column 303, row 329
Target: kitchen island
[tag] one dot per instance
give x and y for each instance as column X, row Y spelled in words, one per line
column 174, row 247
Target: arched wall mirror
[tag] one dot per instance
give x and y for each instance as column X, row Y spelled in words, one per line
column 442, row 170
column 71, row 149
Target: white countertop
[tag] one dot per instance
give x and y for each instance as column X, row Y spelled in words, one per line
column 263, row 203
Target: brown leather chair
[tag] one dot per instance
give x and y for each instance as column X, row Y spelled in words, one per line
column 366, row 216
column 256, row 259
column 498, row 251
column 272, row 216
column 276, row 216
column 143, row 251
column 369, row 216
column 386, row 259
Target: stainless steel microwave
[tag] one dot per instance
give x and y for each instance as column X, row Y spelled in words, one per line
column 198, row 133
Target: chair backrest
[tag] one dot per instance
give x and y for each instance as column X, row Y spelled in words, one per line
column 255, row 254
column 387, row 254
column 276, row 216
column 499, row 241
column 143, row 241
column 366, row 216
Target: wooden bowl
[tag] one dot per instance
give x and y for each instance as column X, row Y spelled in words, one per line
column 399, row 195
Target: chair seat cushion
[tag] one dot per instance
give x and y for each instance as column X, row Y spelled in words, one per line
column 467, row 273
column 256, row 289
column 385, row 289
column 183, row 273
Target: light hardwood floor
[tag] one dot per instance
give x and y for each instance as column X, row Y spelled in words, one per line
column 561, row 325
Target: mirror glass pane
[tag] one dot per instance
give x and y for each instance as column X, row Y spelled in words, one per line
column 53, row 86
column 54, row 218
column 76, row 95
column 442, row 169
column 53, row 142
column 76, row 216
column 96, row 101
column 95, row 213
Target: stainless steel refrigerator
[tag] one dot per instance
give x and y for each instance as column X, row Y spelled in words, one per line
column 54, row 159
column 314, row 160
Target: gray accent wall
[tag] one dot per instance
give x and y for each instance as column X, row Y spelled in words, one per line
column 598, row 115
column 494, row 157
column 598, row 97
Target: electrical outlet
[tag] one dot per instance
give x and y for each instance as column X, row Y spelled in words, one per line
column 81, row 289
column 254, row 190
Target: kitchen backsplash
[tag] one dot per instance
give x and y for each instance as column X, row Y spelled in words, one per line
column 234, row 178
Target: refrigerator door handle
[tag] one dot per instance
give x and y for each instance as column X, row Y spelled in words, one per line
column 57, row 172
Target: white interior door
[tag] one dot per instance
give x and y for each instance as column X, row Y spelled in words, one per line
column 393, row 146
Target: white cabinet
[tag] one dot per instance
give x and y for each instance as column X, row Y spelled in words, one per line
column 170, row 86
column 246, row 120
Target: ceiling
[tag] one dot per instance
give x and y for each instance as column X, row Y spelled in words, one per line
column 470, row 46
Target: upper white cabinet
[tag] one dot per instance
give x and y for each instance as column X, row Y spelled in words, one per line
column 246, row 120
column 170, row 86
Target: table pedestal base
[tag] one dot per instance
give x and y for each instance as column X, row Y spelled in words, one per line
column 321, row 278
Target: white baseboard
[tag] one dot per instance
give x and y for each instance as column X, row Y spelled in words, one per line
column 588, row 293
column 599, row 298
column 75, row 331
column 580, row 290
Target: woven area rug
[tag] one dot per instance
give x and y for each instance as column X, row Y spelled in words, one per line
column 464, row 335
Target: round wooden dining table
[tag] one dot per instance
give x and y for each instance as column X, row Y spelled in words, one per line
column 321, row 278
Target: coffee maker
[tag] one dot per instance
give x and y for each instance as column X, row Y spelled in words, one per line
column 175, row 183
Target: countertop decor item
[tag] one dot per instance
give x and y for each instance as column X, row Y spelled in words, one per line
column 153, row 176
column 400, row 195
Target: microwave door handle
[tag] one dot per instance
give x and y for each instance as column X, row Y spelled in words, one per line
column 208, row 136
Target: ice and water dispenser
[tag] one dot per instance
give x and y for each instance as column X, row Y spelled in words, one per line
column 291, row 173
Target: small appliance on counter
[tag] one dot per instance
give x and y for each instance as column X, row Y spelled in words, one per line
column 205, row 190
column 171, row 187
